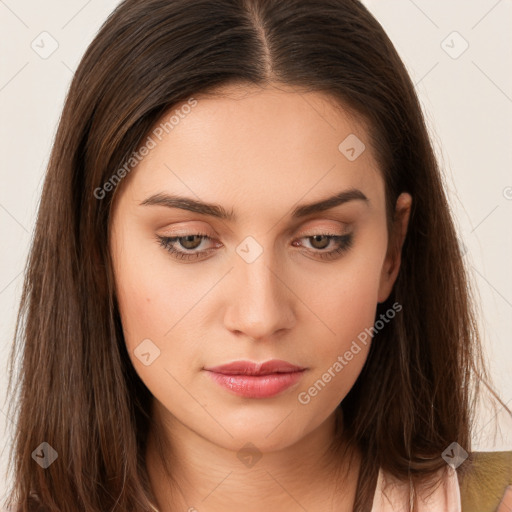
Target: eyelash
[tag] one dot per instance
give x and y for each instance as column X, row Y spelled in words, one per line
column 344, row 243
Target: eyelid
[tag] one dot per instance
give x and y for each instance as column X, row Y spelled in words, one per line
column 330, row 216
column 170, row 231
column 322, row 229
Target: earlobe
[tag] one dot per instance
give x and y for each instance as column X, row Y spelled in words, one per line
column 391, row 265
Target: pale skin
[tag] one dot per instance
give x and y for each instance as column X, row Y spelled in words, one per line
column 259, row 153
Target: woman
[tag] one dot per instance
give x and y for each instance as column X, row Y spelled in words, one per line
column 245, row 289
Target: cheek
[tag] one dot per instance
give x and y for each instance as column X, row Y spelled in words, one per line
column 149, row 310
column 149, row 303
column 349, row 315
column 141, row 305
column 339, row 357
column 343, row 303
column 158, row 304
column 346, row 304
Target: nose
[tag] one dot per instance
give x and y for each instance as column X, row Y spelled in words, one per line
column 262, row 305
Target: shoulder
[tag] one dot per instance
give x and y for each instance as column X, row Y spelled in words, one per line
column 484, row 482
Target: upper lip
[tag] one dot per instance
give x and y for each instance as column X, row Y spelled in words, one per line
column 251, row 368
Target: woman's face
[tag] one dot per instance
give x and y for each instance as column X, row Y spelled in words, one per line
column 262, row 282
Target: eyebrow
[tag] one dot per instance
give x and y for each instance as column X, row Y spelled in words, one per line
column 216, row 210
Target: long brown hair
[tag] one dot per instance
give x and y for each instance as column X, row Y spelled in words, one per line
column 77, row 389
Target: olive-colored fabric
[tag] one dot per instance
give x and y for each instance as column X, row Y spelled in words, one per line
column 483, row 484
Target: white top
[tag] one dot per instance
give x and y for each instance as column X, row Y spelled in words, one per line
column 393, row 496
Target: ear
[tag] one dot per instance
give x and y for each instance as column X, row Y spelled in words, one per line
column 391, row 264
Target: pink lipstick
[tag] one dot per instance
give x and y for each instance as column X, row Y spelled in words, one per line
column 256, row 380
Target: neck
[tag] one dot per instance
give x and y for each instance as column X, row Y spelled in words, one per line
column 189, row 472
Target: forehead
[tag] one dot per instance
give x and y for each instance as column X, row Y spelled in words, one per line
column 275, row 119
column 244, row 142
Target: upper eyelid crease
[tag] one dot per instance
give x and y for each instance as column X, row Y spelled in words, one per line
column 215, row 210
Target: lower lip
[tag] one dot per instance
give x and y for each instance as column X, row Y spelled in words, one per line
column 257, row 386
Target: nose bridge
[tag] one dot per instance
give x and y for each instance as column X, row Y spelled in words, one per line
column 261, row 304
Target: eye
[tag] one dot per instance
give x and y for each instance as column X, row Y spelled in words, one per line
column 186, row 247
column 342, row 243
column 188, row 242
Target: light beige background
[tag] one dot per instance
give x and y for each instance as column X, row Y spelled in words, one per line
column 466, row 94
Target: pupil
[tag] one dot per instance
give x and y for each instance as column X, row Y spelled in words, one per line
column 189, row 240
column 318, row 238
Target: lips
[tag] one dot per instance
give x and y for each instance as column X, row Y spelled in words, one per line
column 256, row 380
column 250, row 368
